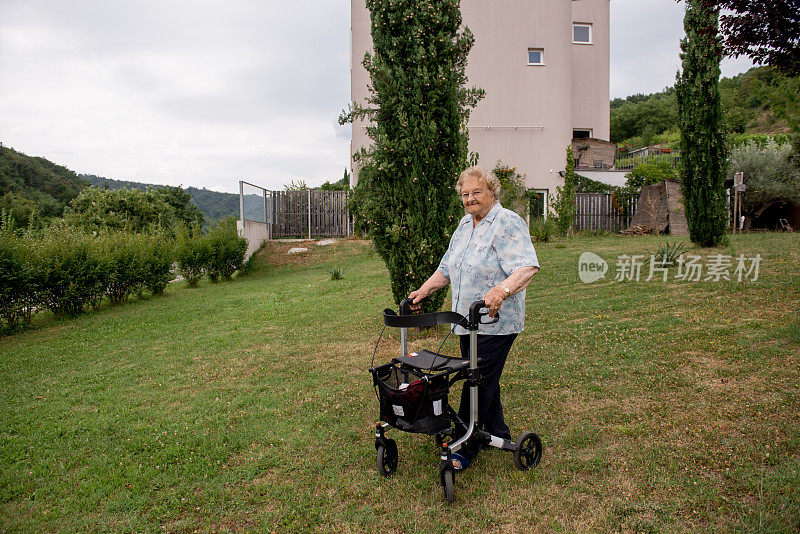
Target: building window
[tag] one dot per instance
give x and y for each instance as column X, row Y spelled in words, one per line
column 582, row 33
column 581, row 133
column 536, row 56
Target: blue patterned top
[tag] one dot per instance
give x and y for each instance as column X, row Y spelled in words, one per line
column 480, row 258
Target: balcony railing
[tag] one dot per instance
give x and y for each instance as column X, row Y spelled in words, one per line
column 612, row 159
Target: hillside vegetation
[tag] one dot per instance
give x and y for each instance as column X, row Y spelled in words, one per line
column 753, row 103
column 214, row 205
column 30, row 183
column 33, row 184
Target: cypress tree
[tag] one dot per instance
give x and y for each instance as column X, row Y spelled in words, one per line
column 416, row 114
column 704, row 152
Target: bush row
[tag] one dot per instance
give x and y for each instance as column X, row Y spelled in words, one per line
column 66, row 270
column 217, row 254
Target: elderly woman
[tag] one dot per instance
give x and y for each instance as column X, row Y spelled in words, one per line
column 490, row 257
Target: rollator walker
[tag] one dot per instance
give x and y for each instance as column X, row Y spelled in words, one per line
column 413, row 390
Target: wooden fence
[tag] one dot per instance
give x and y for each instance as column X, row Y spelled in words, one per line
column 602, row 211
column 325, row 213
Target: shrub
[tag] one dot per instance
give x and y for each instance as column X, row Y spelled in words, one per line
column 513, row 194
column 134, row 263
column 68, row 269
column 769, row 175
column 159, row 257
column 587, row 185
column 226, row 250
column 668, row 253
column 542, row 229
column 124, row 265
column 17, row 293
column 650, row 173
column 192, row 255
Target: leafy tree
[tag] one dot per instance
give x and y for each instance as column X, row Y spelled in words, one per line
column 703, row 162
column 296, row 185
column 794, row 155
column 783, row 95
column 181, row 202
column 637, row 115
column 417, row 115
column 213, row 205
column 766, row 31
column 760, row 100
column 342, row 185
column 120, row 209
column 19, row 209
column 769, row 175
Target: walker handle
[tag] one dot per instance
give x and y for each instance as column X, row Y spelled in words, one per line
column 475, row 313
column 405, row 307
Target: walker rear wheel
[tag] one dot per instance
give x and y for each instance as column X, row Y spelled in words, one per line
column 448, row 484
column 387, row 457
column 528, row 452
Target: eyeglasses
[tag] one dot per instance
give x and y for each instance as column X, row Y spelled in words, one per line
column 476, row 194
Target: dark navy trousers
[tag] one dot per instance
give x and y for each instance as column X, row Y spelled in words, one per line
column 492, row 353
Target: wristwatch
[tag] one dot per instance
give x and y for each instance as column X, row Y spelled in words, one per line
column 507, row 290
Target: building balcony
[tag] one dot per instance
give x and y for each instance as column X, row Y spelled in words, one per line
column 590, row 158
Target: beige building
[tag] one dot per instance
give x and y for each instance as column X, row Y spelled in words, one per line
column 545, row 67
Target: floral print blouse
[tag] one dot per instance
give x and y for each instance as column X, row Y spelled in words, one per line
column 480, row 258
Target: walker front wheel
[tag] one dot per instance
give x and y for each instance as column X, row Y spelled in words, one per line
column 387, row 457
column 528, row 452
column 448, row 484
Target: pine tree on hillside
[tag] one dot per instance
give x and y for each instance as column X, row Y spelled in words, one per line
column 704, row 152
column 416, row 117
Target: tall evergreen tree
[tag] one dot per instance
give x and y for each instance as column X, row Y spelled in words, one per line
column 704, row 157
column 416, row 117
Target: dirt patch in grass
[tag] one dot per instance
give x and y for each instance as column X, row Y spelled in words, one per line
column 276, row 253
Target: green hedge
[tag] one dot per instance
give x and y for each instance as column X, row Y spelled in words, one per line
column 66, row 269
column 217, row 254
column 135, row 263
column 17, row 295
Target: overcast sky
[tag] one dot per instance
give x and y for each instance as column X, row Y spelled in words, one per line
column 205, row 93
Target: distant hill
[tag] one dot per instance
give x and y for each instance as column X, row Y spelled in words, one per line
column 30, row 183
column 748, row 100
column 214, row 205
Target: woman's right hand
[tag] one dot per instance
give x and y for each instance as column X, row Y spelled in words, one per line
column 416, row 297
column 436, row 282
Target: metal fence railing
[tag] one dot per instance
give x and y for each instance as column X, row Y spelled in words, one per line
column 601, row 158
column 255, row 203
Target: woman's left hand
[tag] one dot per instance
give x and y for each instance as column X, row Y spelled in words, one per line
column 493, row 299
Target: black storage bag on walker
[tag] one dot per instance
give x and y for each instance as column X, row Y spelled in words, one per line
column 412, row 401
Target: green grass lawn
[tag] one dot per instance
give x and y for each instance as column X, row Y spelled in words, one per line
column 247, row 405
